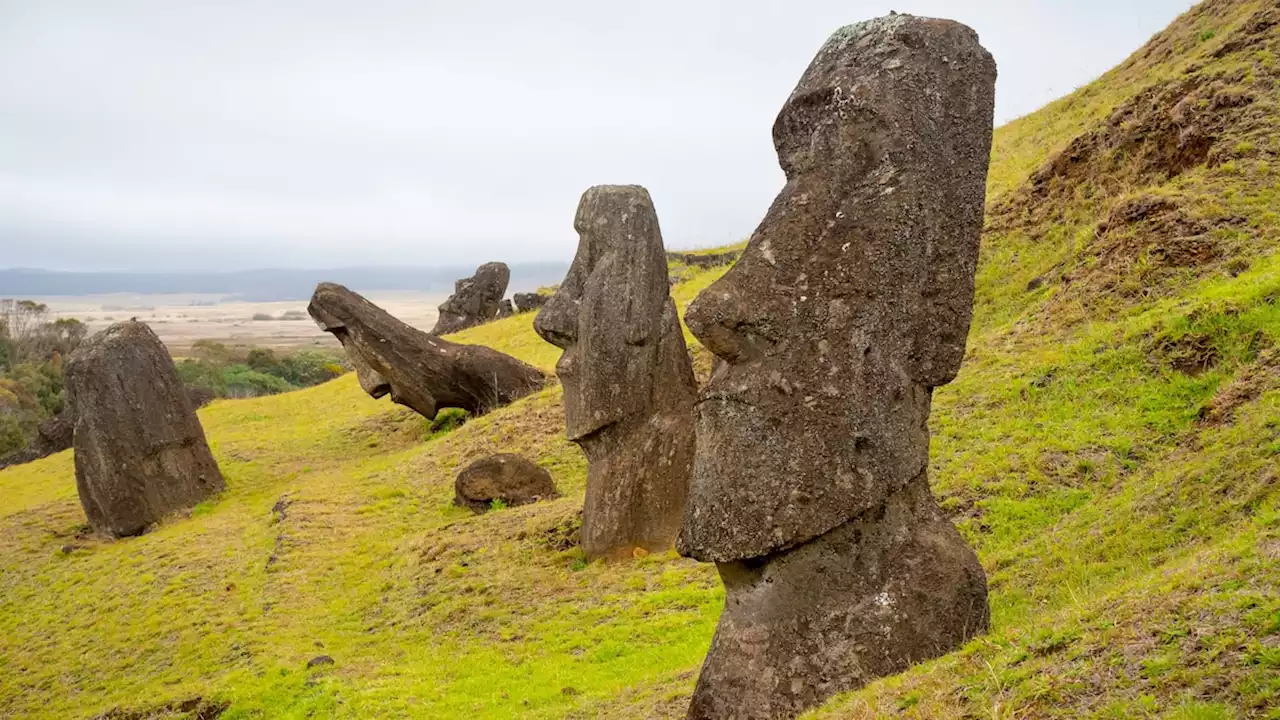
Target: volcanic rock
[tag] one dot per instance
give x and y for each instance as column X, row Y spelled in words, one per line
column 850, row 303
column 528, row 302
column 475, row 300
column 628, row 383
column 509, row 478
column 140, row 452
column 419, row 371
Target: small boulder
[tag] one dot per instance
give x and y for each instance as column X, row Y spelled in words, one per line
column 528, row 302
column 318, row 661
column 505, row 309
column 509, row 478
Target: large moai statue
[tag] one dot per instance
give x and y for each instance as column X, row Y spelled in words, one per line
column 475, row 300
column 851, row 302
column 419, row 371
column 140, row 452
column 628, row 382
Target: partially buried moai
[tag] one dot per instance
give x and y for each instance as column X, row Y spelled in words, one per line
column 628, row 383
column 849, row 305
column 140, row 452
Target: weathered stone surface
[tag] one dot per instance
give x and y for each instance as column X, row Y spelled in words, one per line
column 509, row 478
column 628, row 384
column 419, row 371
column 475, row 300
column 140, row 452
column 849, row 305
column 528, row 302
column 505, row 309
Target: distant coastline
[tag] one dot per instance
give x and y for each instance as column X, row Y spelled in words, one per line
column 265, row 285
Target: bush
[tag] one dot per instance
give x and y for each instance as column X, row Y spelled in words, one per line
column 243, row 381
column 239, row 372
column 262, row 359
column 203, row 374
column 12, row 435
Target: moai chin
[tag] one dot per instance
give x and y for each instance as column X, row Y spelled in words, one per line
column 628, row 383
column 851, row 302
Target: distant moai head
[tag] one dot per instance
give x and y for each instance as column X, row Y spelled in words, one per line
column 607, row 315
column 853, row 297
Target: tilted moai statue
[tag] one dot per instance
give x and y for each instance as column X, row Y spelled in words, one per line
column 628, row 383
column 417, row 370
column 475, row 300
column 851, row 302
column 140, row 452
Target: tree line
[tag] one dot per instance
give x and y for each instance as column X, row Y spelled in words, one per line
column 34, row 345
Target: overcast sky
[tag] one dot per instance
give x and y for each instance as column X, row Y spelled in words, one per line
column 183, row 134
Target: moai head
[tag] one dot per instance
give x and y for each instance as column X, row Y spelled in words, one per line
column 853, row 297
column 607, row 315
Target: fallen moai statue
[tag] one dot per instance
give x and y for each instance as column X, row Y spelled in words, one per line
column 628, row 382
column 475, row 300
column 851, row 302
column 140, row 452
column 419, row 371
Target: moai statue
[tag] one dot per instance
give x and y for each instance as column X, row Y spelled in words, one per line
column 628, row 383
column 417, row 370
column 475, row 300
column 140, row 452
column 851, row 302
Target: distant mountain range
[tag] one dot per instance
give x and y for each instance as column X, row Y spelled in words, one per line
column 265, row 285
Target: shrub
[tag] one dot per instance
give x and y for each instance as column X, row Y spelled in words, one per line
column 12, row 435
column 243, row 381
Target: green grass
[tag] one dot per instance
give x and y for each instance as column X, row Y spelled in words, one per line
column 1132, row 545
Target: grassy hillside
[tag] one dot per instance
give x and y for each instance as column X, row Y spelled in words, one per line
column 1110, row 448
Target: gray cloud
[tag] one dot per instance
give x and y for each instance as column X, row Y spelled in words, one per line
column 166, row 134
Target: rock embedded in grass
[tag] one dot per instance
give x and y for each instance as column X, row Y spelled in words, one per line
column 475, row 300
column 508, row 478
column 140, row 452
column 628, row 382
column 528, row 302
column 850, row 303
column 417, row 370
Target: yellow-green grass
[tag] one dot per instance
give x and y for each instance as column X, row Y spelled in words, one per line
column 1132, row 545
